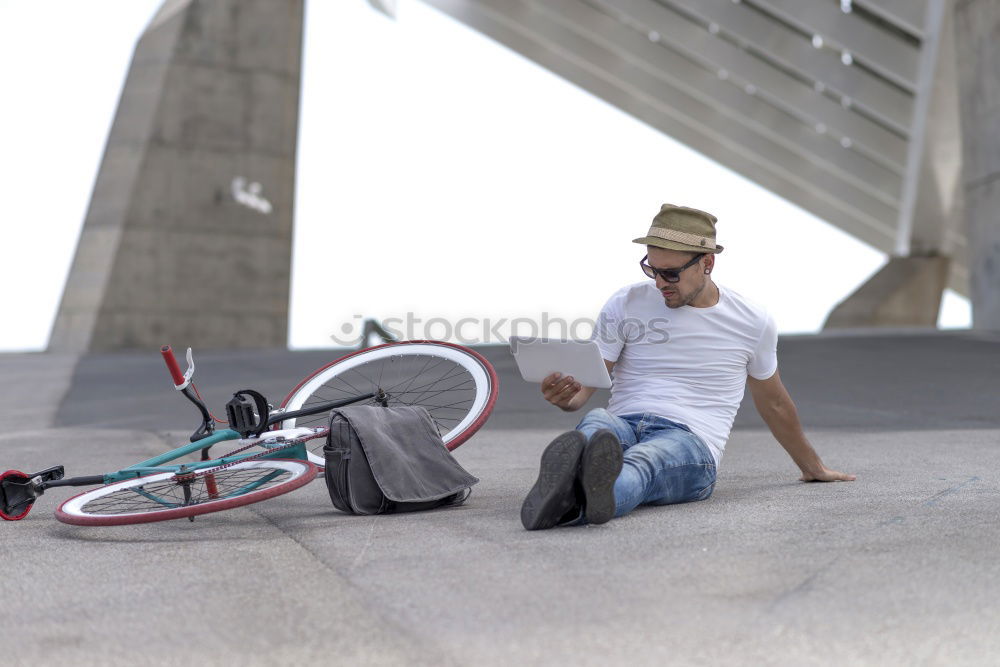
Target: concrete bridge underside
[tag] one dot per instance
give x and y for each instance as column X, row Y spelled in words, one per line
column 878, row 116
column 853, row 110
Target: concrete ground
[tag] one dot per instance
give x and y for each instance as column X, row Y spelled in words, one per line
column 897, row 568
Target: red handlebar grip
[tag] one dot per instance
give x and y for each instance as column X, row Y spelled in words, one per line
column 175, row 370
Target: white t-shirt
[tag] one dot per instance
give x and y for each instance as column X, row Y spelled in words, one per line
column 687, row 364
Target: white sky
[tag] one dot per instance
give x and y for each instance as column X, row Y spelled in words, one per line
column 438, row 173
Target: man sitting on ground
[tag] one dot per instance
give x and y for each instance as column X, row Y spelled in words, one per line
column 681, row 349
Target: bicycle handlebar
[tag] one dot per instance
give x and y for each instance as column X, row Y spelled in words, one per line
column 181, row 384
column 171, row 361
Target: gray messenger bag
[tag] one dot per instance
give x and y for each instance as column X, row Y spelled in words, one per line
column 384, row 460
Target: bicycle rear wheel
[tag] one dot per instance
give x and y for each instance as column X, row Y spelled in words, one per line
column 164, row 496
column 456, row 385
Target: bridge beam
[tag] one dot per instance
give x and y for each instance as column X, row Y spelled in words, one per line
column 907, row 291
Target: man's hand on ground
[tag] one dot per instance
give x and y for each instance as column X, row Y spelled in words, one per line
column 563, row 392
column 827, row 475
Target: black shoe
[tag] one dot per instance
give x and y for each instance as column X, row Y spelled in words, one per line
column 600, row 466
column 553, row 495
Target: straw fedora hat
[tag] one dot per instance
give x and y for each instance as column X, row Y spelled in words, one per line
column 682, row 228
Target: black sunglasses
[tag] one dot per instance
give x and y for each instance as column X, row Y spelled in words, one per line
column 670, row 275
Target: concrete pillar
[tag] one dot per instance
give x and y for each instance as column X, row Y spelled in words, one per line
column 906, row 292
column 977, row 39
column 187, row 238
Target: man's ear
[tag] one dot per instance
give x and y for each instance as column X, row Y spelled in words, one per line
column 708, row 262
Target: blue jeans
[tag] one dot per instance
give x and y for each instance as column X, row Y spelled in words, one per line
column 665, row 462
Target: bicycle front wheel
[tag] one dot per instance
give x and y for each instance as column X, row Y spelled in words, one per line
column 456, row 385
column 164, row 496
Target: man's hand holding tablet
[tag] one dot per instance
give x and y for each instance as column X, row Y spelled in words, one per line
column 569, row 371
column 564, row 392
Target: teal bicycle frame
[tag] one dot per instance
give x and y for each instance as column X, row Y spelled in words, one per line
column 158, row 464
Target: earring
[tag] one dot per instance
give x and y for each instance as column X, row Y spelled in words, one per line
column 708, row 271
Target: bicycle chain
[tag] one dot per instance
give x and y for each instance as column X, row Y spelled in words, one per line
column 191, row 476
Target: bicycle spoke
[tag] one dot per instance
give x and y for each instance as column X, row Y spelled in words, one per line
column 437, row 392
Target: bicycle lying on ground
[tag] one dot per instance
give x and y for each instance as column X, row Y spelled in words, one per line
column 278, row 450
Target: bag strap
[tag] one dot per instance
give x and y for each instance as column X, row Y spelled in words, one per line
column 458, row 498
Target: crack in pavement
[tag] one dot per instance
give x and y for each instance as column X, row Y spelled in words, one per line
column 933, row 500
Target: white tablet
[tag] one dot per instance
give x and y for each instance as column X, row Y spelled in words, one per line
column 537, row 358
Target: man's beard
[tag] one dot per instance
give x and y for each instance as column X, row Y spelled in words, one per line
column 686, row 299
